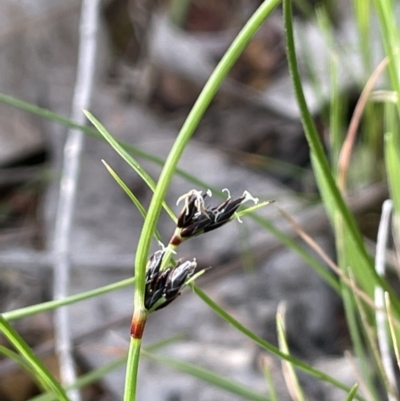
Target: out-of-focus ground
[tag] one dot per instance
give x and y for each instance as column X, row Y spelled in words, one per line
column 149, row 72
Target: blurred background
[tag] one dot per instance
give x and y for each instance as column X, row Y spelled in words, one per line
column 152, row 60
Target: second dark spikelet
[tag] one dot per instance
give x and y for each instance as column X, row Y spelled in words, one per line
column 163, row 286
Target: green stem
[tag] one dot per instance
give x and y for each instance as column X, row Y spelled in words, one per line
column 191, row 123
column 131, row 369
column 285, row 239
column 187, row 131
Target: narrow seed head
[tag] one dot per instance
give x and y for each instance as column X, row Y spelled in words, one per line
column 163, row 286
column 196, row 218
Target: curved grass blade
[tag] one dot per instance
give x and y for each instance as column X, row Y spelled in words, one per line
column 41, row 372
column 209, row 376
column 191, row 123
column 340, row 215
column 266, row 364
column 292, row 382
column 187, row 130
column 19, row 360
column 392, row 158
column 132, row 197
column 127, row 157
column 268, row 346
column 86, row 379
column 50, row 305
column 352, row 393
column 390, row 36
column 285, row 239
column 95, row 375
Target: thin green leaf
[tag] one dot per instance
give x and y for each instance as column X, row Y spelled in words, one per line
column 292, row 381
column 187, row 130
column 209, row 376
column 266, row 363
column 252, row 209
column 362, row 13
column 127, row 157
column 393, row 329
column 357, row 256
column 284, row 238
column 19, row 360
column 392, row 158
column 352, row 393
column 390, row 35
column 96, row 374
column 86, row 379
column 50, row 305
column 43, row 374
column 132, row 197
column 268, row 346
column 374, row 366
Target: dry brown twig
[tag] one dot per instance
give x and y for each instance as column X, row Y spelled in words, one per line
column 347, row 148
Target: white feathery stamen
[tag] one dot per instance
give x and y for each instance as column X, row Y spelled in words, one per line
column 227, row 191
column 162, row 246
column 170, row 249
column 199, row 203
column 199, row 199
column 165, row 249
column 248, row 197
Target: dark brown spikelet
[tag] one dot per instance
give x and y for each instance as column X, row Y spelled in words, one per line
column 196, row 218
column 163, row 286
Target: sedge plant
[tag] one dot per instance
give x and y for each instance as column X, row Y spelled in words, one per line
column 159, row 278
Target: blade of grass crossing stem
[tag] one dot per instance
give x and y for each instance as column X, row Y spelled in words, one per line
column 362, row 265
column 128, row 147
column 41, row 372
column 292, row 382
column 209, row 376
column 51, row 305
column 49, row 115
column 187, row 130
column 127, row 157
column 132, row 197
column 191, row 124
column 268, row 346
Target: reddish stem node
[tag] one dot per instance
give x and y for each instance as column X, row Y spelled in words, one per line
column 175, row 241
column 137, row 326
